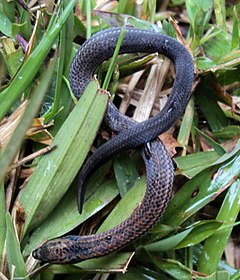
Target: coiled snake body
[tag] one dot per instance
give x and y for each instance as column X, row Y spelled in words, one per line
column 130, row 135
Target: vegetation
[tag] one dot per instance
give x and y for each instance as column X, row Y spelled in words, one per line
column 198, row 235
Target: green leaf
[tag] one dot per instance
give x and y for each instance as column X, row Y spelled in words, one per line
column 200, row 232
column 173, row 268
column 62, row 101
column 2, row 221
column 235, row 31
column 217, row 147
column 56, row 170
column 141, row 273
column 199, row 13
column 196, row 9
column 97, row 197
column 209, row 258
column 218, row 275
column 32, row 65
column 12, row 57
column 78, row 27
column 125, row 8
column 130, row 63
column 188, row 237
column 193, row 164
column 125, row 172
column 236, row 275
column 7, row 8
column 177, row 2
column 113, row 60
column 228, row 132
column 204, row 63
column 109, row 264
column 228, row 156
column 218, row 45
column 186, row 125
column 220, row 13
column 223, row 265
column 205, row 97
column 14, row 256
column 167, row 243
column 228, row 61
column 5, row 25
column 201, row 189
column 31, row 110
column 125, row 206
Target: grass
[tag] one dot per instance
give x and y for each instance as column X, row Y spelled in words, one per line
column 197, row 235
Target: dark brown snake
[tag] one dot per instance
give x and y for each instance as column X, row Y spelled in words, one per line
column 130, row 135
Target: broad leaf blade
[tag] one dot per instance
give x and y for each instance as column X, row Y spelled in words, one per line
column 56, row 170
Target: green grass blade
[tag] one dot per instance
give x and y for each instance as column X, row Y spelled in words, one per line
column 236, row 275
column 210, row 258
column 5, row 25
column 56, row 170
column 62, row 101
column 193, row 164
column 217, row 147
column 200, row 190
column 167, row 243
column 220, row 13
column 125, row 172
column 11, row 56
column 218, row 275
column 14, row 256
column 199, row 13
column 125, row 206
column 32, row 108
column 173, row 268
column 228, row 156
column 209, row 105
column 88, row 12
column 188, row 237
column 32, row 65
column 66, row 217
column 141, row 273
column 235, row 30
column 113, row 60
column 152, row 8
column 108, row 264
column 2, row 221
column 185, row 129
column 200, row 232
column 228, row 132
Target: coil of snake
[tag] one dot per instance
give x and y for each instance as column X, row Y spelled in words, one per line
column 130, row 135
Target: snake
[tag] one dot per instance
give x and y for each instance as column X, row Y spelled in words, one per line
column 129, row 135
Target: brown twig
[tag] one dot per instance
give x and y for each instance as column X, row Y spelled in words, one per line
column 31, row 157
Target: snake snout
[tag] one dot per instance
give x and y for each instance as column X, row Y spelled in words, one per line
column 42, row 253
column 55, row 251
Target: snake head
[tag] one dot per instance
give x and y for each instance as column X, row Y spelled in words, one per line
column 54, row 251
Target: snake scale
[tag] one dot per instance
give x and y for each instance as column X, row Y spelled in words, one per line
column 129, row 135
